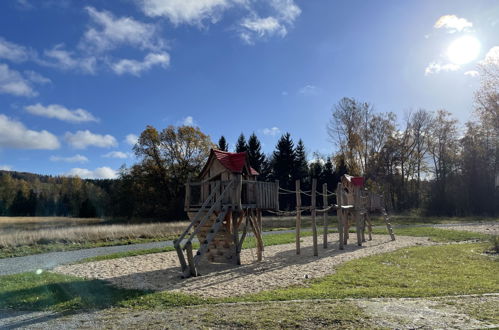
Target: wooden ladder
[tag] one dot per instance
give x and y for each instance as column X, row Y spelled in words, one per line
column 217, row 224
column 199, row 220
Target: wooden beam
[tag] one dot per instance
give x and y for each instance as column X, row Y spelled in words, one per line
column 298, row 215
column 339, row 214
column 324, row 215
column 314, row 222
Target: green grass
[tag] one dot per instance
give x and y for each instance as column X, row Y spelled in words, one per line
column 410, row 272
column 436, row 234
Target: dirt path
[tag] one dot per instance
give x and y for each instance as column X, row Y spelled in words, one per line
column 281, row 267
column 463, row 312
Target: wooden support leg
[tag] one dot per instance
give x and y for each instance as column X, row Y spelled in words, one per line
column 314, row 212
column 190, row 259
column 358, row 225
column 235, row 235
column 369, row 226
column 363, row 222
column 346, row 227
column 339, row 213
column 324, row 215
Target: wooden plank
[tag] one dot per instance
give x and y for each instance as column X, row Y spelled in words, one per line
column 276, row 195
column 314, row 222
column 339, row 214
column 298, row 215
column 357, row 217
column 324, row 215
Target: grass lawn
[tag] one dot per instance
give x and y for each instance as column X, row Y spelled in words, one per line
column 411, row 272
column 435, row 234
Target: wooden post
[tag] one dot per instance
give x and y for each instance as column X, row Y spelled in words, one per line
column 187, row 201
column 339, row 213
column 260, row 223
column 298, row 215
column 314, row 222
column 356, row 212
column 276, row 196
column 235, row 234
column 190, row 259
column 324, row 214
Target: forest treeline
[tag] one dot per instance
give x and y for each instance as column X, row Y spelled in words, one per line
column 426, row 161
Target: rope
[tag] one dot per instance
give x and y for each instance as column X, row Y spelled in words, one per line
column 287, row 190
column 332, row 206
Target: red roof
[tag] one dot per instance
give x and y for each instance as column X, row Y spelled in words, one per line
column 233, row 161
column 358, row 181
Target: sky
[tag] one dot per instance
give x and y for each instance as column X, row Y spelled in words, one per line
column 80, row 80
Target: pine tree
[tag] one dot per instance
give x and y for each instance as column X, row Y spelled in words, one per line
column 300, row 166
column 255, row 155
column 222, row 144
column 283, row 160
column 241, row 145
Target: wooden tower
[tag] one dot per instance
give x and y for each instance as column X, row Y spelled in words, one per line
column 223, row 204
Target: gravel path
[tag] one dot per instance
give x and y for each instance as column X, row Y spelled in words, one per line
column 392, row 313
column 50, row 260
column 281, row 267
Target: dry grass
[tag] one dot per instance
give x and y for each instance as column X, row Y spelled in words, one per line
column 91, row 233
column 41, row 220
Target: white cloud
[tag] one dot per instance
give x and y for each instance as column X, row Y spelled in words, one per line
column 5, row 167
column 73, row 159
column 188, row 121
column 131, row 139
column 452, row 23
column 36, row 78
column 309, row 90
column 116, row 154
column 273, row 131
column 64, row 59
column 257, row 27
column 13, row 52
column 12, row 82
column 192, row 12
column 99, row 173
column 135, row 68
column 110, row 32
column 84, row 139
column 60, row 112
column 14, row 134
column 287, row 10
column 435, row 67
column 472, row 73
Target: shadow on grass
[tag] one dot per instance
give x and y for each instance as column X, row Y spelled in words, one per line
column 23, row 294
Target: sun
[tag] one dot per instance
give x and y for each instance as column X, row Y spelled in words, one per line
column 463, row 50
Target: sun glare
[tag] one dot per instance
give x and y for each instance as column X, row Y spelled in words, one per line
column 463, row 50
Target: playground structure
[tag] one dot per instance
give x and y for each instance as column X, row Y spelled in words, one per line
column 227, row 199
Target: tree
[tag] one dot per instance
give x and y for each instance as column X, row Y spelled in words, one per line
column 222, row 144
column 166, row 161
column 241, row 145
column 255, row 155
column 300, row 166
column 283, row 160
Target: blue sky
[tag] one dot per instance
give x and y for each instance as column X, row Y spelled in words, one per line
column 80, row 79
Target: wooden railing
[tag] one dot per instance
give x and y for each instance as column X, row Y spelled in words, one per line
column 245, row 193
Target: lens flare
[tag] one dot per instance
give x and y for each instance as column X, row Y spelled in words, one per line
column 463, row 50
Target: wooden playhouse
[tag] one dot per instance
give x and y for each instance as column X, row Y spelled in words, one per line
column 224, row 201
